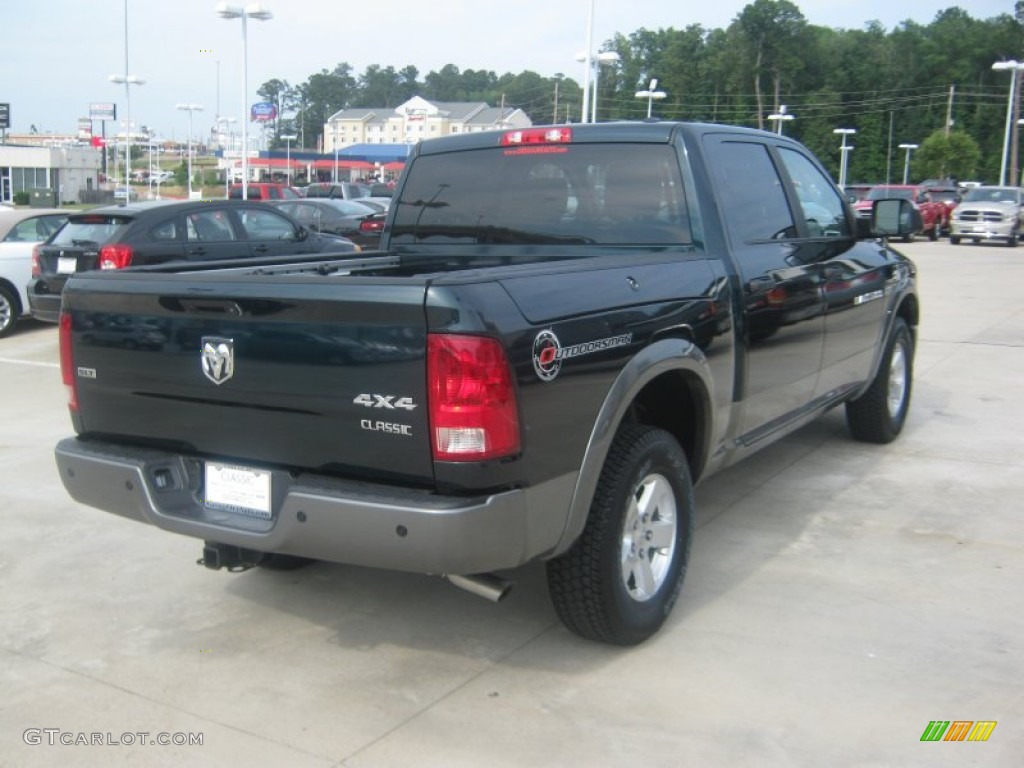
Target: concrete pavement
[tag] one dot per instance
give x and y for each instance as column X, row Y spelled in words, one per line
column 840, row 597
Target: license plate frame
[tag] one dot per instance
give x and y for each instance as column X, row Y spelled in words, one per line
column 238, row 489
column 67, row 265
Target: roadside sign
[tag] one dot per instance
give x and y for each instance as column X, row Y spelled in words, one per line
column 263, row 111
column 5, row 115
column 102, row 110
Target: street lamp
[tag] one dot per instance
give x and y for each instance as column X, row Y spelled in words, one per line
column 254, row 11
column 128, row 80
column 190, row 108
column 650, row 94
column 843, row 149
column 779, row 117
column 288, row 155
column 906, row 161
column 604, row 57
column 1014, row 67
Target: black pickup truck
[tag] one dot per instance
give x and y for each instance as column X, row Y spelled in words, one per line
column 565, row 328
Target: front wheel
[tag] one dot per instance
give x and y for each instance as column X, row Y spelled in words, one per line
column 954, row 240
column 878, row 415
column 619, row 581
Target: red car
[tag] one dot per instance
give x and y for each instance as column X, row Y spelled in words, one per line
column 934, row 213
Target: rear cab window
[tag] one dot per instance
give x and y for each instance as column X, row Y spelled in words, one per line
column 564, row 194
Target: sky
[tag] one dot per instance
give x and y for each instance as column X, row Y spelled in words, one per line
column 58, row 55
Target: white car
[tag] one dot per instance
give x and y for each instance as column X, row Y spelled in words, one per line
column 20, row 230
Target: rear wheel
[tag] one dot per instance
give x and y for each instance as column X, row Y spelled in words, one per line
column 619, row 581
column 9, row 310
column 954, row 240
column 878, row 415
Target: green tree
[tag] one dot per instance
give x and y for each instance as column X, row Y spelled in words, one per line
column 943, row 156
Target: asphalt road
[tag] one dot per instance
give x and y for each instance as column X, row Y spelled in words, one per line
column 840, row 598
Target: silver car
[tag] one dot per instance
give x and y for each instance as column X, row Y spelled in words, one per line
column 989, row 213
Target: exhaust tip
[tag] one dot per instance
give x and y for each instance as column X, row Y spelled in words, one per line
column 485, row 585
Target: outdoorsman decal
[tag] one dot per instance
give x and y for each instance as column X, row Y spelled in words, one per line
column 548, row 353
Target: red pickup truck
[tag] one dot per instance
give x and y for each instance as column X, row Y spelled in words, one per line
column 934, row 213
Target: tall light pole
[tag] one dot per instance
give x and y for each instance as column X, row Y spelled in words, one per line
column 906, row 160
column 190, row 108
column 288, row 155
column 1014, row 67
column 254, row 11
column 780, row 117
column 843, row 149
column 128, row 80
column 587, row 63
column 604, row 57
column 650, row 93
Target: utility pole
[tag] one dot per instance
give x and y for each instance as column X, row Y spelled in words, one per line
column 1014, row 133
column 949, row 110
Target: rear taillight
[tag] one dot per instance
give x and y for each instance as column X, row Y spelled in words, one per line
column 67, row 361
column 371, row 226
column 37, row 269
column 115, row 256
column 473, row 413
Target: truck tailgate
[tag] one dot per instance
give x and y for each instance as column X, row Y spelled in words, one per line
column 312, row 372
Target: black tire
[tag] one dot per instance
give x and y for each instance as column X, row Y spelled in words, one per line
column 933, row 233
column 954, row 240
column 1012, row 240
column 878, row 415
column 606, row 590
column 9, row 310
column 908, row 238
column 273, row 561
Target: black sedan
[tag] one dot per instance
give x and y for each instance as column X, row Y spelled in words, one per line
column 359, row 222
column 138, row 234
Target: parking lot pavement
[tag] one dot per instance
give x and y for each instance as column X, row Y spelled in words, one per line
column 840, row 597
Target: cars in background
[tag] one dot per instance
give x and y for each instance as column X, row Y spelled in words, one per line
column 155, row 232
column 989, row 213
column 350, row 218
column 934, row 215
column 345, row 190
column 264, row 190
column 125, row 194
column 20, row 230
column 856, row 191
column 949, row 196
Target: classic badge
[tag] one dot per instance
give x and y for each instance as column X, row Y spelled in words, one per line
column 218, row 359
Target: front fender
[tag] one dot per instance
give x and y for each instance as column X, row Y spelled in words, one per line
column 664, row 356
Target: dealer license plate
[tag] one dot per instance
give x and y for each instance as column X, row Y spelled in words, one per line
column 242, row 490
column 67, row 265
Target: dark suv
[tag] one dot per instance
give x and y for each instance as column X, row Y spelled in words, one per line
column 116, row 237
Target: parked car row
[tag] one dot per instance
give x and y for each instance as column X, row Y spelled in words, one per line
column 155, row 232
column 978, row 213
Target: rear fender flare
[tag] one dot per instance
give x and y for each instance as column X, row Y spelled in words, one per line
column 661, row 357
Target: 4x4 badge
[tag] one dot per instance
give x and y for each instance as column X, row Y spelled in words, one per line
column 218, row 358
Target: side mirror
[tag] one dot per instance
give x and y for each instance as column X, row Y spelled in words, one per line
column 302, row 234
column 895, row 218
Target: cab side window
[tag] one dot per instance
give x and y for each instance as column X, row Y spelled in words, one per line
column 752, row 196
column 820, row 203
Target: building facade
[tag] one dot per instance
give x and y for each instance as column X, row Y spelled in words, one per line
column 415, row 120
column 66, row 170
